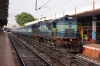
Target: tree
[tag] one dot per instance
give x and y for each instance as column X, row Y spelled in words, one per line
column 43, row 18
column 23, row 18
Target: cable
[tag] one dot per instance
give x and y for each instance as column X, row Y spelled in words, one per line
column 61, row 4
column 21, row 6
column 16, row 9
column 44, row 4
column 57, row 6
column 18, row 5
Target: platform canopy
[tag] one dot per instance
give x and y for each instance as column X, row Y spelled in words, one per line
column 87, row 15
column 3, row 12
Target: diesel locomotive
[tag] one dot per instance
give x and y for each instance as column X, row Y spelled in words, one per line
column 62, row 31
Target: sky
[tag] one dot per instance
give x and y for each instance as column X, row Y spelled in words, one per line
column 51, row 8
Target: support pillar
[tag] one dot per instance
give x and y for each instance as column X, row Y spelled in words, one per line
column 75, row 10
column 94, row 29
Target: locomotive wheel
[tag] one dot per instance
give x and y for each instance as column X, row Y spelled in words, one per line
column 37, row 39
column 80, row 45
column 52, row 44
column 46, row 41
column 69, row 46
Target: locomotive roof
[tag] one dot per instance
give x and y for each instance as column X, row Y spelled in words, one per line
column 50, row 20
column 53, row 20
column 31, row 23
column 63, row 17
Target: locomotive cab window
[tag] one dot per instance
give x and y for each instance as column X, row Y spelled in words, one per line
column 66, row 18
column 54, row 25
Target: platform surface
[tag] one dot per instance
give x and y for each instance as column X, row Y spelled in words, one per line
column 92, row 46
column 6, row 56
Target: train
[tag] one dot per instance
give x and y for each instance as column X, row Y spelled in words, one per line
column 61, row 31
column 7, row 29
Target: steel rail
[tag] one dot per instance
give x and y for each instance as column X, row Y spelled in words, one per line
column 78, row 60
column 43, row 60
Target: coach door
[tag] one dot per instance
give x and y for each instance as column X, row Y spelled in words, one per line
column 54, row 30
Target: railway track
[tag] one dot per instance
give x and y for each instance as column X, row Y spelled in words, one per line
column 89, row 61
column 62, row 56
column 27, row 56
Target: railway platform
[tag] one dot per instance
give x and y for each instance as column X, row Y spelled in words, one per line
column 92, row 50
column 6, row 55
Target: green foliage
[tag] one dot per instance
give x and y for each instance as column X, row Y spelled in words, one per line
column 23, row 18
column 43, row 18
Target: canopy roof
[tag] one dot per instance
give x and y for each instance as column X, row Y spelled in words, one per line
column 87, row 13
column 3, row 11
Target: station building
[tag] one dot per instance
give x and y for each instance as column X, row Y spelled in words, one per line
column 89, row 24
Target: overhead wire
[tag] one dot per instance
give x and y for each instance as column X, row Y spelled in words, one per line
column 18, row 5
column 61, row 4
column 16, row 9
column 21, row 6
column 44, row 4
column 57, row 6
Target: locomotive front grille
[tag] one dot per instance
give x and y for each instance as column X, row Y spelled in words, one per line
column 69, row 32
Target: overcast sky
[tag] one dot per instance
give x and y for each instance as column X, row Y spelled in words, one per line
column 51, row 8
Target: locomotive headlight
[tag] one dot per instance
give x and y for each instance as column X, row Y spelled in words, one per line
column 70, row 39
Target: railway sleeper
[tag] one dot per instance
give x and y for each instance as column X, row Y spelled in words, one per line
column 54, row 57
column 84, row 62
column 55, row 54
column 77, row 63
column 83, row 59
